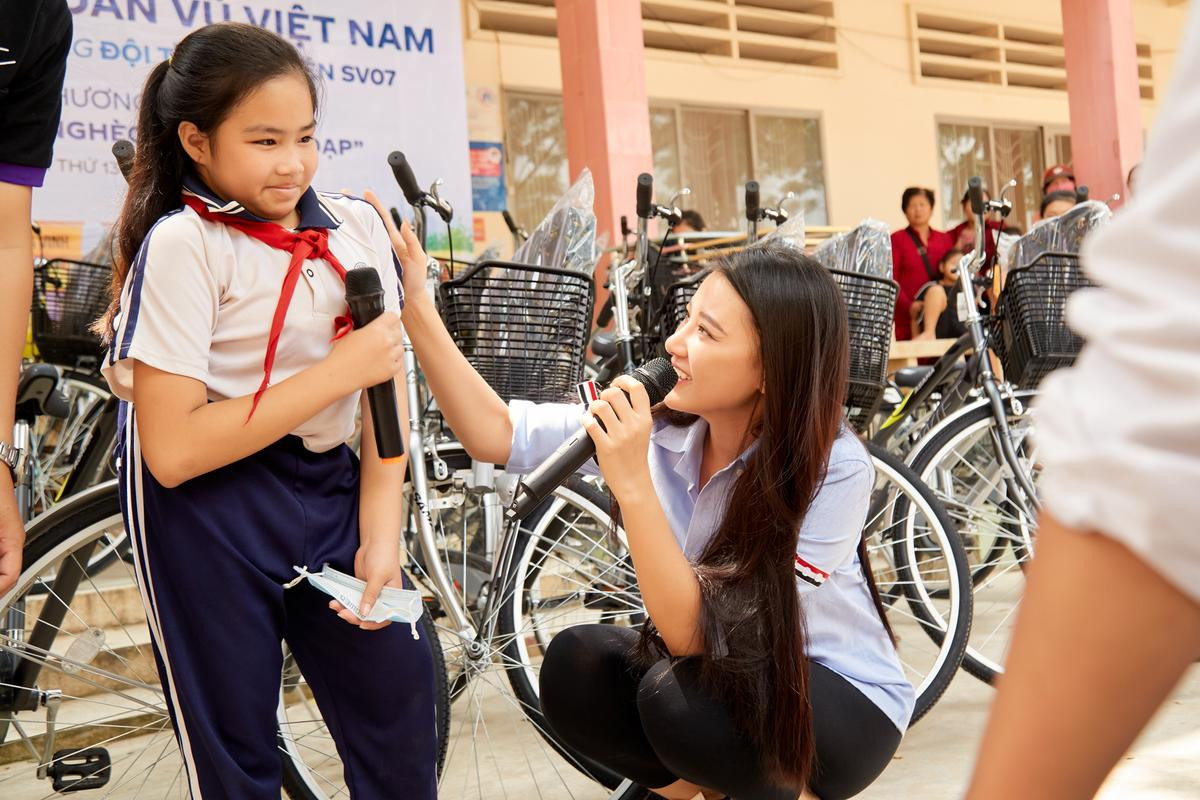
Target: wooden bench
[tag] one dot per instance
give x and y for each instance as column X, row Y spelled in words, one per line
column 905, row 354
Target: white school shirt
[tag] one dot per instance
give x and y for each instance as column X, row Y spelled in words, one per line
column 200, row 297
column 843, row 629
column 1118, row 434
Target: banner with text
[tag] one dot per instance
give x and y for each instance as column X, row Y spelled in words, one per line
column 392, row 75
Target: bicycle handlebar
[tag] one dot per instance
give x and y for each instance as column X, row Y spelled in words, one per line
column 752, row 206
column 645, row 191
column 510, row 222
column 123, row 151
column 404, row 176
column 975, row 191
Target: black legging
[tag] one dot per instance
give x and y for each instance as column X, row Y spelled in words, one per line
column 655, row 726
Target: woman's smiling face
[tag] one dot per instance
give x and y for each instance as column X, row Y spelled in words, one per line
column 715, row 352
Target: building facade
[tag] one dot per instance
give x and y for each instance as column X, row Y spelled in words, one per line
column 843, row 102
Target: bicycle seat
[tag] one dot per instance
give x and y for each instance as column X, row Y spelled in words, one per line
column 909, row 377
column 38, row 394
column 604, row 344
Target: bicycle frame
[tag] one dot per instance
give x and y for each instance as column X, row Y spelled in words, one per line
column 978, row 377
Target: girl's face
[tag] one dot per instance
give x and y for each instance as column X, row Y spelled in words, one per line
column 715, row 351
column 950, row 267
column 263, row 155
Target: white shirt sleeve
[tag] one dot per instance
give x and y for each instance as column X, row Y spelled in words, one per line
column 168, row 306
column 391, row 274
column 538, row 430
column 1119, row 433
column 833, row 524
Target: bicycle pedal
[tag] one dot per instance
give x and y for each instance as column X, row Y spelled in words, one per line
column 76, row 770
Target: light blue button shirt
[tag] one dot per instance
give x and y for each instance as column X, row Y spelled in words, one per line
column 844, row 632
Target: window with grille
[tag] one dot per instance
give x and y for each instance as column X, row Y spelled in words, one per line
column 979, row 50
column 996, row 153
column 801, row 32
column 714, row 151
column 537, row 155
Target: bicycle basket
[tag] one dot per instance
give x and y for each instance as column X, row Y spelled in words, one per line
column 523, row 328
column 1034, row 339
column 870, row 305
column 68, row 296
column 679, row 294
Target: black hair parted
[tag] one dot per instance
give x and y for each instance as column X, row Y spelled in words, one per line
column 915, row 191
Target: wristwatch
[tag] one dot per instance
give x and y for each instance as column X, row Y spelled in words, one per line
column 11, row 457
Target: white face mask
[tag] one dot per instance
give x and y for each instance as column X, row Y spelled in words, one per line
column 394, row 605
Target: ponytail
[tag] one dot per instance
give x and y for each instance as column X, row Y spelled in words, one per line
column 154, row 186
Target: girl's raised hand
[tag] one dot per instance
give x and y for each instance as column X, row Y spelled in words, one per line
column 623, row 444
column 407, row 247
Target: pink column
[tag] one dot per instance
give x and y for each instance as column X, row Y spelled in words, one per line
column 1102, row 87
column 605, row 109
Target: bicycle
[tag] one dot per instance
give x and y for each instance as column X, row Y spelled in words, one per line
column 977, row 448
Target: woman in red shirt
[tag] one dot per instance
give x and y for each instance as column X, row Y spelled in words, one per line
column 916, row 252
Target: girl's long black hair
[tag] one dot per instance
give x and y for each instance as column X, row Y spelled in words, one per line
column 210, row 72
column 751, row 617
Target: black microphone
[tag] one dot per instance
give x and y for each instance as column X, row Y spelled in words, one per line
column 510, row 222
column 657, row 375
column 364, row 295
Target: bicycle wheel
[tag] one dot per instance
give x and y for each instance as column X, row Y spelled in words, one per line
column 960, row 461
column 570, row 574
column 569, row 569
column 78, row 638
column 920, row 570
column 67, row 627
column 499, row 743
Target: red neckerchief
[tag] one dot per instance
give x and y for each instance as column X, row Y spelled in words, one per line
column 303, row 244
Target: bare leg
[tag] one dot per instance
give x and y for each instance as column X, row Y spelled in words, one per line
column 935, row 304
column 1101, row 639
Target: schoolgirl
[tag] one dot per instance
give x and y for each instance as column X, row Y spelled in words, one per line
column 229, row 344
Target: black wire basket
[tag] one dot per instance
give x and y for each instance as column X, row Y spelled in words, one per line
column 523, row 328
column 870, row 304
column 870, row 308
column 68, row 296
column 1033, row 338
column 679, row 294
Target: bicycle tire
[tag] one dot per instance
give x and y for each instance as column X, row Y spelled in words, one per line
column 919, row 498
column 519, row 672
column 1014, row 534
column 72, row 524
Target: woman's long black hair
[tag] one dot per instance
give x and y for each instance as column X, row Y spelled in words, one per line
column 751, row 617
column 210, row 72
